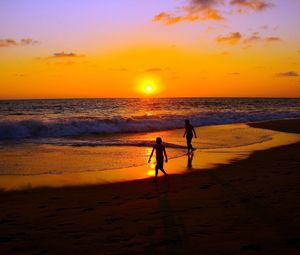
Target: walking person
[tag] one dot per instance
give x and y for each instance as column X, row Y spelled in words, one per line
column 189, row 134
column 161, row 154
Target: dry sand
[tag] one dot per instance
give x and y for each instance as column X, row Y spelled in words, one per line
column 248, row 207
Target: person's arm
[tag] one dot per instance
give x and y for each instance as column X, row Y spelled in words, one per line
column 151, row 154
column 184, row 133
column 194, row 132
column 165, row 154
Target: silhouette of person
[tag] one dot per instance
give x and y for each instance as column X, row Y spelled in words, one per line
column 188, row 134
column 160, row 151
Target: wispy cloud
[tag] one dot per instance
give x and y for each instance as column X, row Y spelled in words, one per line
column 236, row 37
column 288, row 74
column 256, row 5
column 193, row 10
column 273, row 39
column 201, row 10
column 63, row 54
column 21, row 75
column 231, row 38
column 225, row 53
column 234, row 73
column 28, row 41
column 8, row 42
column 252, row 38
column 154, row 69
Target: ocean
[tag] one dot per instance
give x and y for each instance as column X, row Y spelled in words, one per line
column 36, row 119
column 54, row 137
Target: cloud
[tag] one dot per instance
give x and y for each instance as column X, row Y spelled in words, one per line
column 256, row 5
column 19, row 75
column 234, row 73
column 253, row 38
column 170, row 19
column 273, row 39
column 288, row 74
column 63, row 54
column 225, row 53
column 12, row 42
column 8, row 42
column 236, row 37
column 231, row 38
column 193, row 10
column 154, row 69
column 123, row 69
column 201, row 10
column 28, row 41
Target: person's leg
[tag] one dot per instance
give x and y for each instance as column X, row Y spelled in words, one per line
column 164, row 172
column 191, row 145
column 156, row 173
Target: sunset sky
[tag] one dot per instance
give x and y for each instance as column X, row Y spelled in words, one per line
column 116, row 48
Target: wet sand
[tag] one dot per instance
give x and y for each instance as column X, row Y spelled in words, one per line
column 247, row 207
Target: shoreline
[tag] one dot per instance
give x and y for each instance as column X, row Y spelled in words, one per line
column 204, row 159
column 248, row 206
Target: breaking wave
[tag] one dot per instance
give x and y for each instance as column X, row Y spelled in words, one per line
column 32, row 128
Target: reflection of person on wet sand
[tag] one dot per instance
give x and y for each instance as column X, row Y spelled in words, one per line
column 190, row 160
column 160, row 151
column 188, row 134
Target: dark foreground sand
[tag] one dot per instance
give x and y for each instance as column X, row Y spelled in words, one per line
column 248, row 207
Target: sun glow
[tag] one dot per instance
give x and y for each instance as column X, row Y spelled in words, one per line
column 148, row 86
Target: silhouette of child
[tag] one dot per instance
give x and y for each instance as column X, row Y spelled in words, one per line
column 188, row 134
column 160, row 151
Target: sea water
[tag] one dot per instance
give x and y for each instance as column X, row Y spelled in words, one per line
column 55, row 137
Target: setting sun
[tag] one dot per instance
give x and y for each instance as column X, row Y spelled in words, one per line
column 149, row 85
column 148, row 88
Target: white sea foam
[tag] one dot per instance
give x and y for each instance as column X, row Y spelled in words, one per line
column 33, row 128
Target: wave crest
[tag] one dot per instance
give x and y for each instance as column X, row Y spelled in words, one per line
column 22, row 129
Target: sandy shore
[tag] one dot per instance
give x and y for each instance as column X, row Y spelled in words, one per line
column 247, row 207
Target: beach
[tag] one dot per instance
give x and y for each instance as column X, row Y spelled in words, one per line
column 149, row 127
column 247, row 206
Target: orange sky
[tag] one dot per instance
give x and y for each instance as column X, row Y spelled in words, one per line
column 199, row 48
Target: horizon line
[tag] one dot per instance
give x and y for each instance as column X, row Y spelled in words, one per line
column 183, row 97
